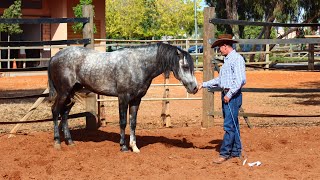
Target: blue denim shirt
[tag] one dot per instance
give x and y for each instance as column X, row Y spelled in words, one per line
column 232, row 74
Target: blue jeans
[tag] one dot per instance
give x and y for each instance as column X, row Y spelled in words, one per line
column 231, row 144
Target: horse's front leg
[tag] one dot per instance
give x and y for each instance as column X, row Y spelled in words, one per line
column 123, row 109
column 133, row 111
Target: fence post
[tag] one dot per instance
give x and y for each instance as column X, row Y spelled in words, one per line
column 208, row 97
column 91, row 98
column 267, row 56
column 311, row 58
column 165, row 114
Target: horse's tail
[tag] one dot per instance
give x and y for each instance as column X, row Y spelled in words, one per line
column 52, row 89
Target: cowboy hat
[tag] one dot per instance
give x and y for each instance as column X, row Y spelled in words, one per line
column 223, row 39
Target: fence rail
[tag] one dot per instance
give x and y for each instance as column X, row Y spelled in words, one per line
column 44, row 43
column 249, row 23
column 289, row 52
column 43, row 20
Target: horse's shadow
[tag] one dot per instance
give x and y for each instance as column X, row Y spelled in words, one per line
column 142, row 141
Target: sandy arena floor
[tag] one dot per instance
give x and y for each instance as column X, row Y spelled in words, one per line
column 287, row 147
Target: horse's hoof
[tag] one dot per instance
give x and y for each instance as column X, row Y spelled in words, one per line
column 71, row 143
column 57, row 146
column 124, row 148
column 134, row 147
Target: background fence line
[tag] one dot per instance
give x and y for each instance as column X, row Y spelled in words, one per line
column 288, row 52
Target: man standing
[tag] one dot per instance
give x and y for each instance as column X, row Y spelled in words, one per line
column 231, row 78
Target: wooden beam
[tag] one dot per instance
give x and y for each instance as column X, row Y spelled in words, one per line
column 208, row 98
column 276, row 41
column 43, row 20
column 165, row 113
column 44, row 43
column 250, row 23
column 92, row 120
column 272, row 90
column 29, row 113
column 218, row 113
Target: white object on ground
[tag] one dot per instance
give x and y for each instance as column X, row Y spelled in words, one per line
column 257, row 163
column 244, row 162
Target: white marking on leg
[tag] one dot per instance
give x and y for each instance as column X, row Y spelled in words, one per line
column 134, row 147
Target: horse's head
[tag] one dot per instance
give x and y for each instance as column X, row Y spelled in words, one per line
column 184, row 71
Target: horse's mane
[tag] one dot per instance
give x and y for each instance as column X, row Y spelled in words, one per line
column 136, row 46
column 167, row 56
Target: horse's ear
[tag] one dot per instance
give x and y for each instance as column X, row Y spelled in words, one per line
column 179, row 52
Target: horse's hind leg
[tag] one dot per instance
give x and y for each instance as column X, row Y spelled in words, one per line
column 123, row 109
column 64, row 120
column 56, row 109
column 133, row 111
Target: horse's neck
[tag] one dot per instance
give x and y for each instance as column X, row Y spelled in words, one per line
column 153, row 64
column 154, row 67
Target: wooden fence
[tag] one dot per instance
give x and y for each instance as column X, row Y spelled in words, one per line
column 208, row 57
column 210, row 21
column 289, row 51
column 87, row 41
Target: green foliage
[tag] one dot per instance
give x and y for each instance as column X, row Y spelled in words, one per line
column 273, row 10
column 150, row 19
column 150, row 23
column 77, row 10
column 124, row 18
column 14, row 11
column 251, row 32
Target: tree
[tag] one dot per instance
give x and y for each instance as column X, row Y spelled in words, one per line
column 13, row 11
column 309, row 9
column 150, row 19
column 123, row 18
column 267, row 11
column 77, row 10
column 150, row 25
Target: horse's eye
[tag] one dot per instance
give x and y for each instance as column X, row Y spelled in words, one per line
column 185, row 66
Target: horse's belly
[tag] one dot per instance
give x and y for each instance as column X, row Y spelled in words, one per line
column 100, row 85
column 108, row 91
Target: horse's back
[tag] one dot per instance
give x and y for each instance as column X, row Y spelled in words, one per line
column 71, row 54
column 90, row 68
column 123, row 71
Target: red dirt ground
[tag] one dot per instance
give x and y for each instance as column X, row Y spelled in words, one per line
column 287, row 147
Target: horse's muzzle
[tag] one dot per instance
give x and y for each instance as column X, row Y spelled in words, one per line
column 195, row 90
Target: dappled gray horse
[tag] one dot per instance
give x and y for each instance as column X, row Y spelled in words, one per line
column 126, row 74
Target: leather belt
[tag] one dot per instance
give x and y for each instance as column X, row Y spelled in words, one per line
column 225, row 90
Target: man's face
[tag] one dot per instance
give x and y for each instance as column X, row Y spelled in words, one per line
column 223, row 49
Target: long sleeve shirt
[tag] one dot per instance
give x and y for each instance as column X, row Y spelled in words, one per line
column 232, row 74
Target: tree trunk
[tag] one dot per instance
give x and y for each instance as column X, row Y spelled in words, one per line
column 294, row 29
column 232, row 13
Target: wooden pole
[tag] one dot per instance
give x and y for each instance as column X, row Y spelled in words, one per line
column 25, row 117
column 311, row 57
column 267, row 56
column 165, row 114
column 92, row 122
column 102, row 113
column 208, row 97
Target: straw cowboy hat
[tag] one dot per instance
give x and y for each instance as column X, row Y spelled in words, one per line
column 223, row 39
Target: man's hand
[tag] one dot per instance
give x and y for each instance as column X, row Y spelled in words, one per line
column 226, row 99
column 200, row 87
